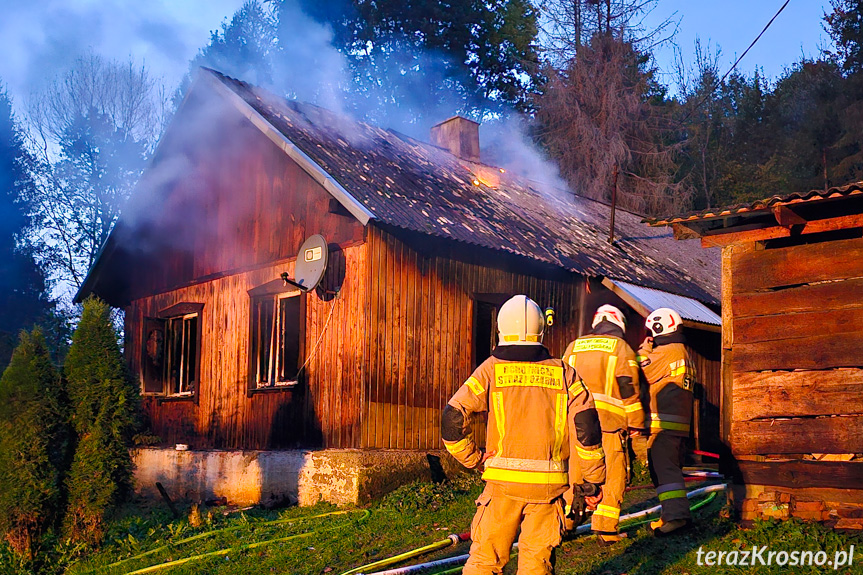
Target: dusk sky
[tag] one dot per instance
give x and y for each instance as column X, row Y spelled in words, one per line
column 40, row 37
column 734, row 24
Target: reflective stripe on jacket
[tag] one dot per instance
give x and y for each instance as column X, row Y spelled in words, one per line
column 670, row 375
column 608, row 367
column 530, row 406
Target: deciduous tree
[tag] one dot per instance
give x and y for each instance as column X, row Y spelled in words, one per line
column 97, row 123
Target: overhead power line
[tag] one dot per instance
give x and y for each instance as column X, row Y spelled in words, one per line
column 721, row 80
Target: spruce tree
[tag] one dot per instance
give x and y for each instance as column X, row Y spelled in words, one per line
column 104, row 410
column 33, row 442
column 23, row 293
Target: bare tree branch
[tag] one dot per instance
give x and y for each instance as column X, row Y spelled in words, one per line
column 92, row 130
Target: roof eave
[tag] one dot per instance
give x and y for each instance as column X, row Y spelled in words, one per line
column 760, row 207
column 88, row 286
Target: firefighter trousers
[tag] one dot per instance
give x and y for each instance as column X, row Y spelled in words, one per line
column 607, row 514
column 665, row 463
column 494, row 528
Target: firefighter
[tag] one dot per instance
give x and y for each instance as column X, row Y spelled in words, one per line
column 529, row 396
column 669, row 374
column 608, row 367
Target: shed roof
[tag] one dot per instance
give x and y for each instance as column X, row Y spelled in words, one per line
column 645, row 299
column 760, row 206
column 416, row 186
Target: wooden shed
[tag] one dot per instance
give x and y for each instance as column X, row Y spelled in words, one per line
column 792, row 351
column 336, row 393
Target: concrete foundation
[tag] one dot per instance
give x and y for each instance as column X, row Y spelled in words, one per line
column 338, row 476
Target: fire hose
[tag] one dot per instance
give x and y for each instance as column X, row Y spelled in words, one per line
column 460, row 559
column 365, row 515
column 208, row 534
column 695, row 507
column 443, row 543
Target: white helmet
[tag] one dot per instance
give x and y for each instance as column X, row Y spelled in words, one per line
column 520, row 321
column 663, row 321
column 609, row 313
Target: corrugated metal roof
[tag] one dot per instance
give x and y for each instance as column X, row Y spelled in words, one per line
column 688, row 308
column 760, row 205
column 419, row 187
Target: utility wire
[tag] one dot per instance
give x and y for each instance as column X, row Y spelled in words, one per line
column 707, row 95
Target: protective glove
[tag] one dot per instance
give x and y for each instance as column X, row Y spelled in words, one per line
column 578, row 509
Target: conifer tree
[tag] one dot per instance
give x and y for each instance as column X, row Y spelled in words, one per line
column 33, row 442
column 104, row 410
column 23, row 293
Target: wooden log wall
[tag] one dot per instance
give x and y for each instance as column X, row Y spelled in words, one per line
column 798, row 349
column 323, row 411
column 793, row 375
column 420, row 319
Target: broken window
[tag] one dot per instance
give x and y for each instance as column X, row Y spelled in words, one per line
column 181, row 361
column 171, row 354
column 276, row 342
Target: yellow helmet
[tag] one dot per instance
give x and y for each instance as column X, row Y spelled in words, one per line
column 520, row 321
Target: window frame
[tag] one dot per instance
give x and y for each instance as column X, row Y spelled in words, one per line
column 163, row 321
column 194, row 380
column 276, row 293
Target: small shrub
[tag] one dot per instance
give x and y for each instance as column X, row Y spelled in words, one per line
column 33, row 444
column 422, row 495
column 146, row 439
column 104, row 414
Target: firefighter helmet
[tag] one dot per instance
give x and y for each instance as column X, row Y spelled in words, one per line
column 609, row 313
column 663, row 321
column 520, row 321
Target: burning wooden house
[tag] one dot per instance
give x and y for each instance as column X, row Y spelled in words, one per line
column 792, row 351
column 336, row 392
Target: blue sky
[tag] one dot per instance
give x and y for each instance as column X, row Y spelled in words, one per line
column 40, row 37
column 733, row 24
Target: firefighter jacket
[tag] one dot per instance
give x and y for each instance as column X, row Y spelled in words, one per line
column 670, row 375
column 608, row 367
column 530, row 397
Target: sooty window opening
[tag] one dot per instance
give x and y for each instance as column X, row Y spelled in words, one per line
column 276, row 342
column 172, row 349
column 484, row 329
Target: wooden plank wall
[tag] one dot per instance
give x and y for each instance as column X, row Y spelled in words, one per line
column 704, row 350
column 322, row 412
column 231, row 218
column 237, row 203
column 420, row 316
column 798, row 349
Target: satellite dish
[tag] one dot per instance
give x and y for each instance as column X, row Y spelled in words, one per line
column 310, row 265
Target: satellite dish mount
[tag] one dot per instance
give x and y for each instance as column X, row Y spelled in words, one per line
column 310, row 265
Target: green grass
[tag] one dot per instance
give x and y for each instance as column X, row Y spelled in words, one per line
column 412, row 516
column 642, row 554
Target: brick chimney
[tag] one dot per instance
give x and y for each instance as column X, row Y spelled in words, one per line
column 458, row 135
